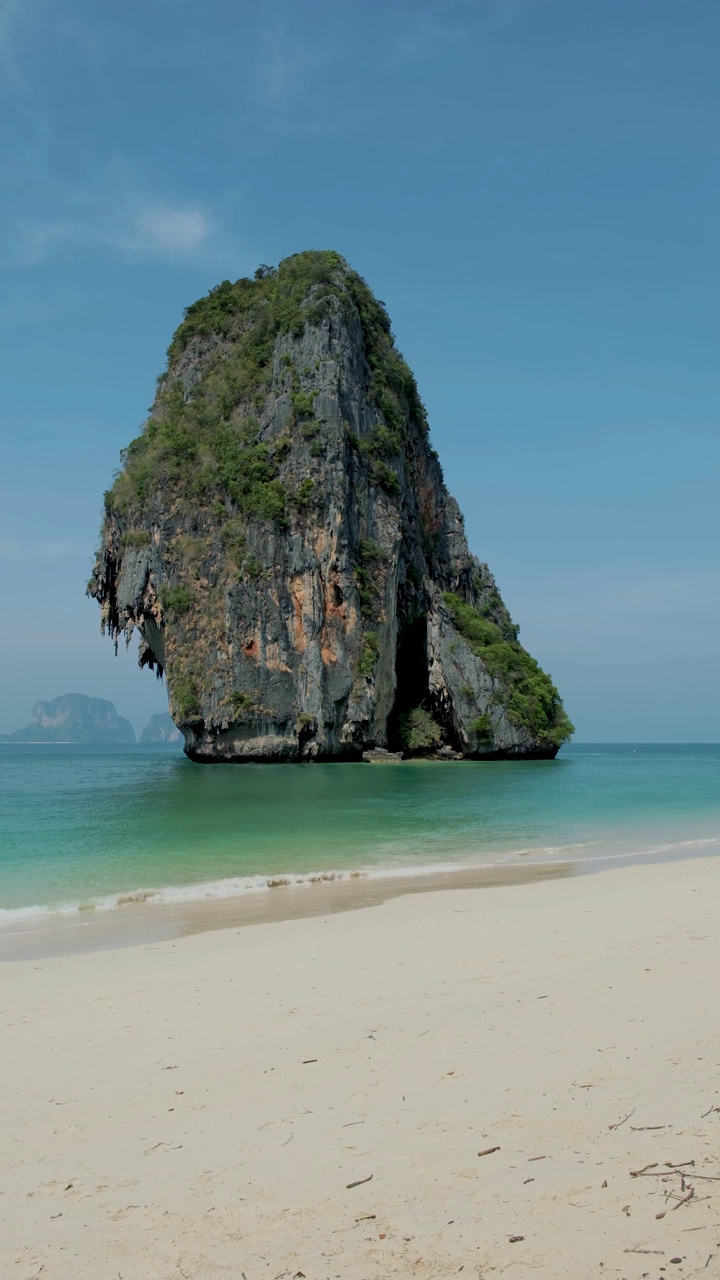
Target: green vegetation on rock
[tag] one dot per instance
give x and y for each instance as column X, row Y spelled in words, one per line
column 418, row 731
column 534, row 702
column 481, row 727
column 368, row 654
column 136, row 538
column 186, row 698
column 304, row 494
column 242, row 703
column 385, row 477
column 371, row 559
column 205, row 441
column 176, row 599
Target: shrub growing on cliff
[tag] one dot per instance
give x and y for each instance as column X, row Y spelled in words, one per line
column 385, row 477
column 242, row 704
column 534, row 702
column 136, row 538
column 185, row 698
column 368, row 654
column 175, row 599
column 381, row 442
column 304, row 494
column 302, row 403
column 232, row 536
column 482, row 729
column 371, row 559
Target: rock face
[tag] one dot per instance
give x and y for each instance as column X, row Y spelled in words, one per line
column 161, row 728
column 75, row 718
column 282, row 537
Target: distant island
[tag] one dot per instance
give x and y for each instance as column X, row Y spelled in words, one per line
column 161, row 728
column 75, row 718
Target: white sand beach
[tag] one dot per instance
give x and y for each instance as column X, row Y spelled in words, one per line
column 309, row 1097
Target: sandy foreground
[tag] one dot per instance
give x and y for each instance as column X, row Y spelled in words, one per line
column 202, row 1108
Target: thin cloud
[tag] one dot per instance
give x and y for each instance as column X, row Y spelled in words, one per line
column 165, row 229
column 160, row 229
column 11, row 13
column 286, row 64
column 422, row 41
column 449, row 23
column 12, row 549
column 50, row 24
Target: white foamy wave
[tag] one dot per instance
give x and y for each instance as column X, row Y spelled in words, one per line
column 236, row 886
column 230, row 887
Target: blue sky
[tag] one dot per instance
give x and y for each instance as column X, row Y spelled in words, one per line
column 531, row 186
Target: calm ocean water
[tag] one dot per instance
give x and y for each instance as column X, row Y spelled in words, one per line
column 83, row 826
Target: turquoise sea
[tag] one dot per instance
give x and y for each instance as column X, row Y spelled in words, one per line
column 84, row 827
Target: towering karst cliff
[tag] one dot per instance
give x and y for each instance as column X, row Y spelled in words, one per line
column 281, row 536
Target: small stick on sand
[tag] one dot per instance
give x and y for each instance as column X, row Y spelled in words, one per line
column 488, row 1151
column 681, row 1165
column 645, row 1128
column 685, row 1199
column 531, row 1158
column 627, row 1117
column 635, row 1173
column 359, row 1182
column 660, row 1251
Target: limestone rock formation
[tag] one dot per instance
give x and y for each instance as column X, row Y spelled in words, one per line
column 75, row 718
column 281, row 536
column 161, row 729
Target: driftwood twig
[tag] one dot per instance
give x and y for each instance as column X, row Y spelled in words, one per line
column 488, row 1151
column 359, row 1182
column 624, row 1119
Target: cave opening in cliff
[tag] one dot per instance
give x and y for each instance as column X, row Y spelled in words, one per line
column 411, row 671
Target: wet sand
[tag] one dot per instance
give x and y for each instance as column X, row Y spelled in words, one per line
column 141, row 921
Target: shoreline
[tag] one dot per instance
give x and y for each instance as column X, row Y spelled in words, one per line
column 452, row 1081
column 138, row 917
